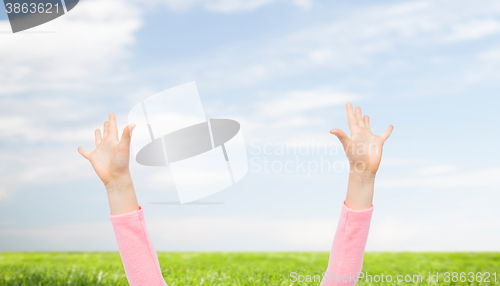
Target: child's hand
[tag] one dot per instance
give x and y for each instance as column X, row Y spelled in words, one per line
column 110, row 159
column 363, row 149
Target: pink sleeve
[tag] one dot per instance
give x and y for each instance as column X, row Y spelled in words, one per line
column 136, row 250
column 346, row 256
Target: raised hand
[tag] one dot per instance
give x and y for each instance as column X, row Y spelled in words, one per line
column 110, row 158
column 363, row 149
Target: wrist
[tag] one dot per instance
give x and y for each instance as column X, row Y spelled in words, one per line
column 360, row 190
column 121, row 195
column 364, row 176
column 121, row 182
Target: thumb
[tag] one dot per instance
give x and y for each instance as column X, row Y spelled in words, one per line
column 84, row 153
column 387, row 133
column 127, row 135
column 344, row 139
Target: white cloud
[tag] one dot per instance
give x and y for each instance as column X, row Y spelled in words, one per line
column 473, row 30
column 17, row 128
column 241, row 234
column 295, row 122
column 298, row 101
column 356, row 40
column 473, row 179
column 3, row 194
column 89, row 44
column 490, row 54
column 306, row 4
column 37, row 167
column 174, row 5
column 392, row 161
column 81, row 236
column 436, row 170
column 393, row 234
column 227, row 6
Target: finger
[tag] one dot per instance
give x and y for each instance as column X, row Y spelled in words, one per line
column 366, row 119
column 127, row 135
column 105, row 130
column 98, row 137
column 359, row 116
column 387, row 132
column 84, row 153
column 351, row 118
column 344, row 139
column 113, row 128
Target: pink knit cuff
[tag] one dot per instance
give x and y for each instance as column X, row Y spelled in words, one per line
column 128, row 216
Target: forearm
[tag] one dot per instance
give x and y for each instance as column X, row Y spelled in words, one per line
column 121, row 195
column 360, row 190
column 346, row 256
column 136, row 249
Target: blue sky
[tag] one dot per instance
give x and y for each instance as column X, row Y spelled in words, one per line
column 284, row 70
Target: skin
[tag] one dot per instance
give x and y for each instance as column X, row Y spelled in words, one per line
column 110, row 160
column 364, row 152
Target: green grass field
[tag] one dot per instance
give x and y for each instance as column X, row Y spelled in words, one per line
column 237, row 268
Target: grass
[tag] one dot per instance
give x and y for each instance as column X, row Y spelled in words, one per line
column 233, row 268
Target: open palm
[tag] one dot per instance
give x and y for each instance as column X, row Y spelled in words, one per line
column 110, row 159
column 363, row 149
